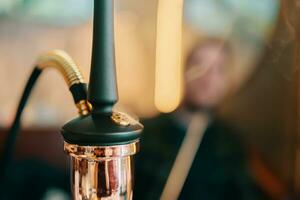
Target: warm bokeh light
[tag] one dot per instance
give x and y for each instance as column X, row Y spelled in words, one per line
column 168, row 55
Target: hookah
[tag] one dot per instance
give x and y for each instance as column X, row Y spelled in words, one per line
column 100, row 141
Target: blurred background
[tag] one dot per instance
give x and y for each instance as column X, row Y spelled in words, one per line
column 264, row 97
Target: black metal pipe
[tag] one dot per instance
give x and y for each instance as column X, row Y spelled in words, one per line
column 102, row 92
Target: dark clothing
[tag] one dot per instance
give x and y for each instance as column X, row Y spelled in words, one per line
column 219, row 171
column 32, row 179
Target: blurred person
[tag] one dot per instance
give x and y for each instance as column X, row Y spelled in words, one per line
column 218, row 168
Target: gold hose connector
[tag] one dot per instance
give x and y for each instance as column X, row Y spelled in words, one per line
column 61, row 61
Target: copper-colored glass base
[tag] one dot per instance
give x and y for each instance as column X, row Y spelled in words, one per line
column 102, row 173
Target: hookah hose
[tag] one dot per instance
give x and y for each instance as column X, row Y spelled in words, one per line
column 63, row 63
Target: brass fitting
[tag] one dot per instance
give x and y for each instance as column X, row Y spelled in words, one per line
column 84, row 107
